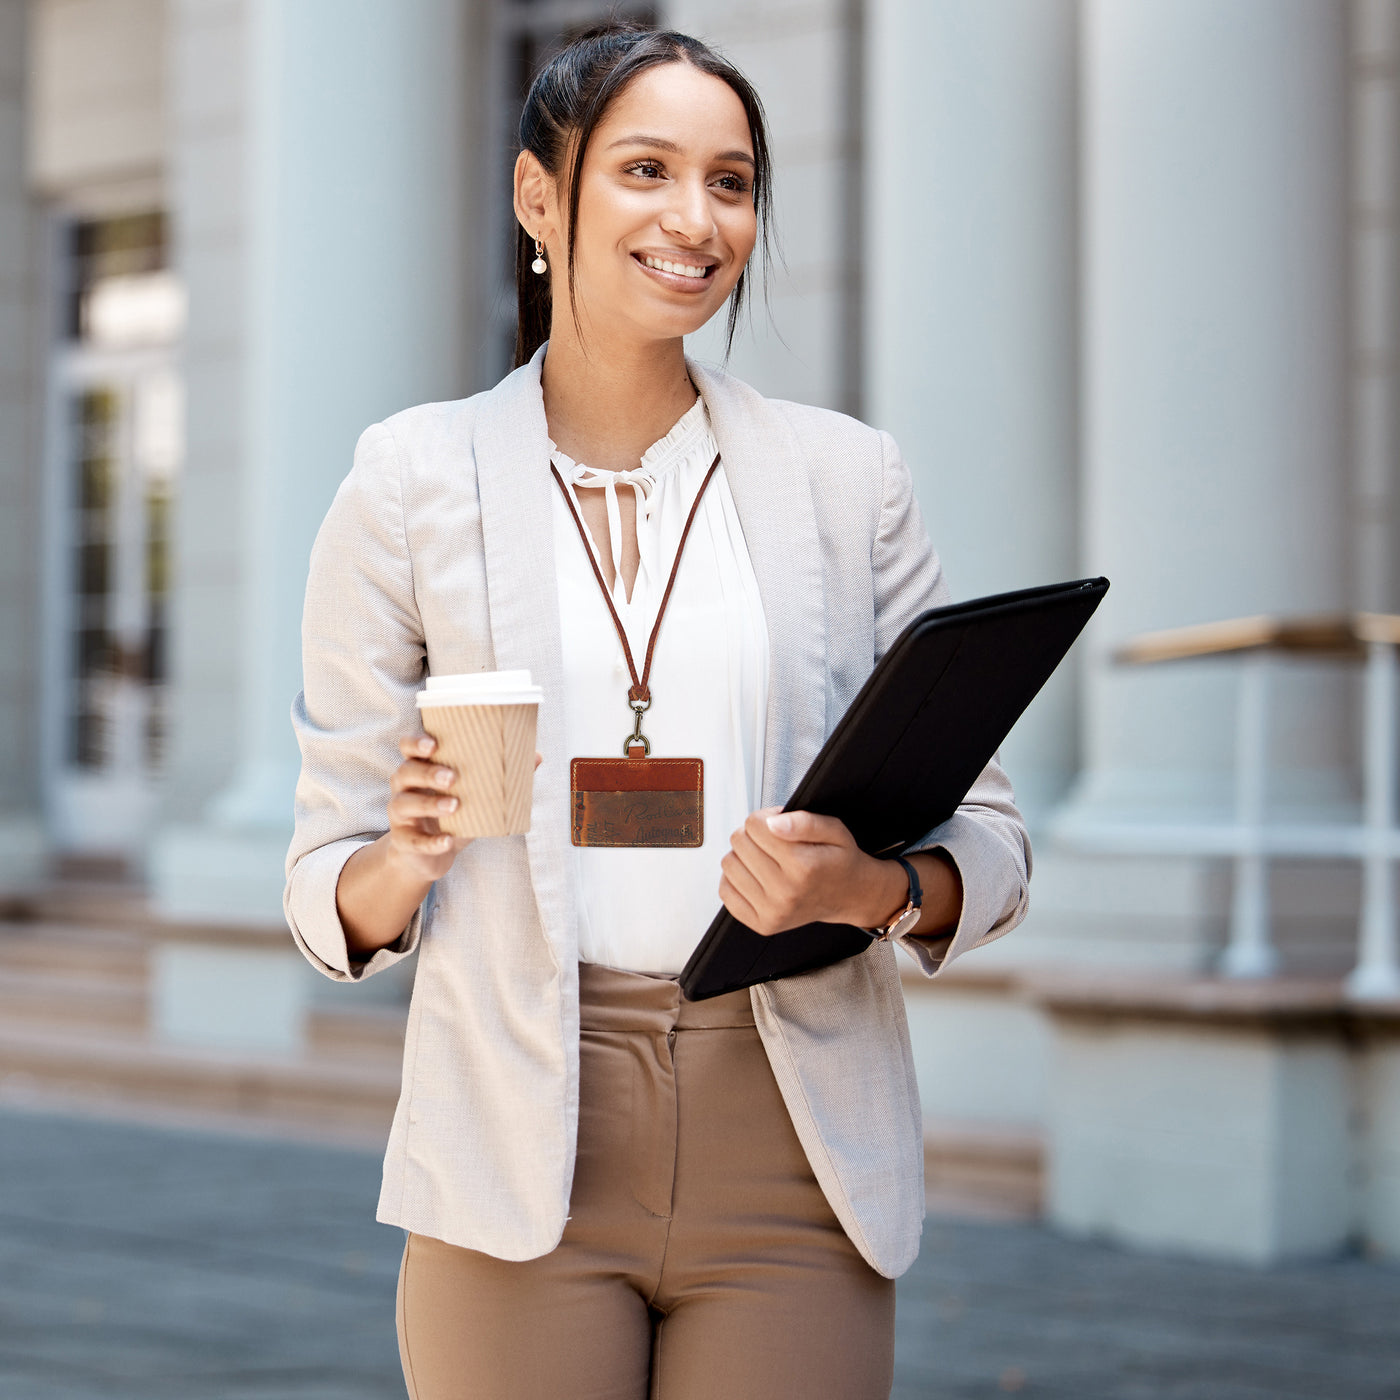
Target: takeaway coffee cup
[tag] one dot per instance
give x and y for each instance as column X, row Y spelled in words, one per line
column 484, row 724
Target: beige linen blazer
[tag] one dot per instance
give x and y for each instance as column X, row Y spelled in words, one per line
column 437, row 556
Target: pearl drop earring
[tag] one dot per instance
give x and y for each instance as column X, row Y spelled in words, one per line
column 539, row 265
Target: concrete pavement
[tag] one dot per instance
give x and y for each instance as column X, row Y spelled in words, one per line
column 141, row 1263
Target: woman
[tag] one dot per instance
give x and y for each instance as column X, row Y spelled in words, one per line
column 609, row 1191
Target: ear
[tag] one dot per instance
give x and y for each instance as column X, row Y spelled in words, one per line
column 535, row 203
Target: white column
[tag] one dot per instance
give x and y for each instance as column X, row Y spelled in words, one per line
column 22, row 844
column 1214, row 391
column 970, row 269
column 1375, row 258
column 1375, row 212
column 357, row 162
column 1248, row 951
column 1376, row 976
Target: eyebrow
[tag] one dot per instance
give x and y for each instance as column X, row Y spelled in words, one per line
column 660, row 143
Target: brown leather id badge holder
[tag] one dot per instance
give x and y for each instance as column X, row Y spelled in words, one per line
column 637, row 800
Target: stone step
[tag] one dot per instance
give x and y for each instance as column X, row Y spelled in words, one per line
column 306, row 1096
column 99, row 903
column 122, row 954
column 99, row 906
column 73, row 999
column 983, row 1170
column 376, row 1031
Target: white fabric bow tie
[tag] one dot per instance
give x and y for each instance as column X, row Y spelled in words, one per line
column 642, row 481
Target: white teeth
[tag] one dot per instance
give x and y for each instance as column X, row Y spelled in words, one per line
column 680, row 269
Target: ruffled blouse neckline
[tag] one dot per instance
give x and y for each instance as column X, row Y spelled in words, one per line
column 689, row 436
column 661, row 458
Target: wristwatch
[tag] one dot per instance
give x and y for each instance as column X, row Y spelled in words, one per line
column 907, row 917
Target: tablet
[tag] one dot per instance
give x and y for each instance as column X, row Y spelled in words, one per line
column 901, row 759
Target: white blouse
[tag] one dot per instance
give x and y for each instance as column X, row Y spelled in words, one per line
column 644, row 909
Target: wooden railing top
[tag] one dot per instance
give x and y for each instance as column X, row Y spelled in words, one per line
column 1342, row 636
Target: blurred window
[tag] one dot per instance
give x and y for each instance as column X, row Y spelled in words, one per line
column 118, row 431
column 119, row 290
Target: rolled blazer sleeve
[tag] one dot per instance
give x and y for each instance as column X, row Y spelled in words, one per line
column 986, row 836
column 362, row 664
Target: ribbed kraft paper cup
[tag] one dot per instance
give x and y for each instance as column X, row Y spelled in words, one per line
column 492, row 749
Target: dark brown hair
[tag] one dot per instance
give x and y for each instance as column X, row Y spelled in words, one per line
column 568, row 99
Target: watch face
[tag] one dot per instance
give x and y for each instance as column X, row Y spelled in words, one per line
column 905, row 923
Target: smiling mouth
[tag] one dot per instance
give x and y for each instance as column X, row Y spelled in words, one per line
column 693, row 272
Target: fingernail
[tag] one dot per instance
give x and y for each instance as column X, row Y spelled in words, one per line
column 782, row 823
column 446, row 804
column 444, row 842
column 443, row 777
column 425, row 746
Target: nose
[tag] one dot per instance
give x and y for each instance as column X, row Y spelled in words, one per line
column 687, row 214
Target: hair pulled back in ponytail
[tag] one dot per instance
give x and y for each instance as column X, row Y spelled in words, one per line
column 568, row 99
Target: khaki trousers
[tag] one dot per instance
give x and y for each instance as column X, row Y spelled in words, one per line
column 700, row 1260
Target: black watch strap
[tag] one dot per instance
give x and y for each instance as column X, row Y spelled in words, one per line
column 916, row 890
column 916, row 901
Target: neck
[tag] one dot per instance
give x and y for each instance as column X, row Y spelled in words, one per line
column 606, row 407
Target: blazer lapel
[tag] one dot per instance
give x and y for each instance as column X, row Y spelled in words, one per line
column 510, row 443
column 768, row 478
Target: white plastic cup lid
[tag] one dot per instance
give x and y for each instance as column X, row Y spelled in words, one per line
column 480, row 688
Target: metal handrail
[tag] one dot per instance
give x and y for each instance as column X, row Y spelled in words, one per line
column 1371, row 638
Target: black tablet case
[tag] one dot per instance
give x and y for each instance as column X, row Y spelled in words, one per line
column 925, row 724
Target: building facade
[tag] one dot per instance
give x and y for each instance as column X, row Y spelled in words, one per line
column 1118, row 275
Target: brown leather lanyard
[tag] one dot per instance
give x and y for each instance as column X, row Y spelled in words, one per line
column 639, row 696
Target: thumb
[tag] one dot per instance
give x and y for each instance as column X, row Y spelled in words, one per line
column 808, row 826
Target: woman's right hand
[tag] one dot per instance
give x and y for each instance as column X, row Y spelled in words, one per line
column 418, row 797
column 384, row 882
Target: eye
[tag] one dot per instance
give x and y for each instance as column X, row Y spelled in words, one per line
column 735, row 184
column 647, row 169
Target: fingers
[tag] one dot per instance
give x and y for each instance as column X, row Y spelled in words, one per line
column 755, row 836
column 417, row 771
column 777, row 877
column 741, row 908
column 804, row 826
column 788, row 847
column 413, row 806
column 426, row 843
column 420, row 794
column 755, row 889
column 762, row 859
column 419, row 774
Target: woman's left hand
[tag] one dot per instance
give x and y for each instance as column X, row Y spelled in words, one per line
column 790, row 868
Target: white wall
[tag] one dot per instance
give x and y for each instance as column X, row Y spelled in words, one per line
column 98, row 73
column 1223, row 1142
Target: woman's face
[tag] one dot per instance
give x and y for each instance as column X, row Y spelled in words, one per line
column 667, row 179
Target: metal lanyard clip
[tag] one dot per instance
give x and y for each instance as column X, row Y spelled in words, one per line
column 639, row 708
